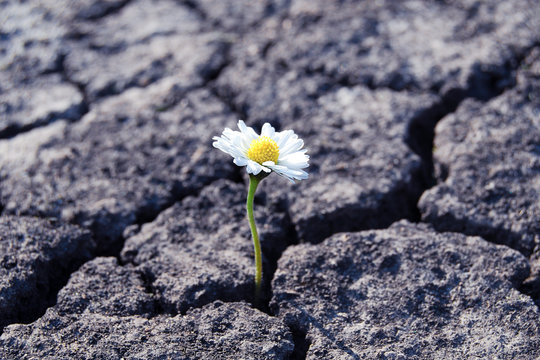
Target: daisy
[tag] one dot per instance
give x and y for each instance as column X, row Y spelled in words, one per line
column 278, row 151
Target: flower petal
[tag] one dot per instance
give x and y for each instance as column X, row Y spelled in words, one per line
column 248, row 132
column 290, row 174
column 253, row 167
column 292, row 145
column 282, row 137
column 296, row 160
column 240, row 161
column 268, row 130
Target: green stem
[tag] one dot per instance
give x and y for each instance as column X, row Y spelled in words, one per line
column 253, row 183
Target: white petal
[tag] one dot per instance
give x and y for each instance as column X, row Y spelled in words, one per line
column 289, row 173
column 231, row 142
column 228, row 133
column 253, row 167
column 268, row 130
column 293, row 144
column 226, row 146
column 241, row 142
column 297, row 160
column 282, row 137
column 221, row 145
column 242, row 125
column 248, row 132
column 240, row 161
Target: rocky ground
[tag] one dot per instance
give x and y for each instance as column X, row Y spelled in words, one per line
column 123, row 232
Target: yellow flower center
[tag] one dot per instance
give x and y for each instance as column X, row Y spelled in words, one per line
column 263, row 149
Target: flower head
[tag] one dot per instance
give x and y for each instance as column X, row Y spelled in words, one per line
column 278, row 151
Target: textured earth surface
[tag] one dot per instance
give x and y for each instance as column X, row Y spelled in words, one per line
column 407, row 291
column 37, row 256
column 123, row 233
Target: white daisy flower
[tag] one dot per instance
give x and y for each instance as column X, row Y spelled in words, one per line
column 278, row 151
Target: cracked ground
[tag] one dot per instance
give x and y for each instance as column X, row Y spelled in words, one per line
column 123, row 233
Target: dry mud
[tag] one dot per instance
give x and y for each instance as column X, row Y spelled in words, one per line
column 123, row 232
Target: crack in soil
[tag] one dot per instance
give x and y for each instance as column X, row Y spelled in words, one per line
column 82, row 108
column 48, row 295
column 193, row 6
column 95, row 13
column 301, row 343
column 483, row 86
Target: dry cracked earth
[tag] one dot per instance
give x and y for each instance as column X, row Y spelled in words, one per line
column 123, row 232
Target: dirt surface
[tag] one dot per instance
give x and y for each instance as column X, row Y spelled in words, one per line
column 123, row 233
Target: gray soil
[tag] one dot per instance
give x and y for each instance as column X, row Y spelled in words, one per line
column 123, row 233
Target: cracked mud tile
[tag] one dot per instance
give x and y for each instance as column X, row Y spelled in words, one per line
column 102, row 286
column 237, row 15
column 70, row 12
column 37, row 102
column 200, row 249
column 36, row 258
column 453, row 49
column 32, row 90
column 117, row 52
column 488, row 157
column 106, row 312
column 31, row 40
column 407, row 292
column 126, row 160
